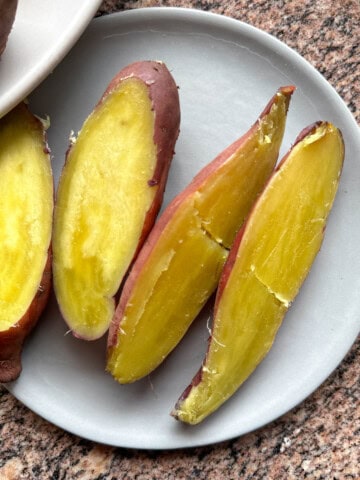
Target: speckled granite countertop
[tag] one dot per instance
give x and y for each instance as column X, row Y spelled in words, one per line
column 319, row 439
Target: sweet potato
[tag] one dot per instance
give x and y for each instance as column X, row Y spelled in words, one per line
column 26, row 207
column 7, row 17
column 179, row 266
column 110, row 191
column 271, row 256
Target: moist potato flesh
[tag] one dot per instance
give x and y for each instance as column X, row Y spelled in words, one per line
column 184, row 266
column 280, row 241
column 218, row 200
column 185, row 255
column 299, row 205
column 26, row 202
column 103, row 198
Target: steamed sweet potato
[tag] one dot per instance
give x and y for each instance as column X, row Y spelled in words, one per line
column 7, row 17
column 110, row 191
column 271, row 256
column 179, row 266
column 26, row 206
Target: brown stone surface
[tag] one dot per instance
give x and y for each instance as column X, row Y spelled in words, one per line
column 319, row 439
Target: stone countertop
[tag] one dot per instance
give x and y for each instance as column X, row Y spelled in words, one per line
column 320, row 438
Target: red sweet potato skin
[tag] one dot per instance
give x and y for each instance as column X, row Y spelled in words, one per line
column 164, row 97
column 165, row 104
column 236, row 245
column 7, row 17
column 231, row 259
column 12, row 340
column 168, row 213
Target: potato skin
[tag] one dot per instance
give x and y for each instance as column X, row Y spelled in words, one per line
column 232, row 258
column 164, row 96
column 230, row 261
column 168, row 213
column 235, row 247
column 12, row 340
column 7, row 17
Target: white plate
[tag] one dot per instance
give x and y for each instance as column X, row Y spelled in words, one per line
column 227, row 71
column 43, row 32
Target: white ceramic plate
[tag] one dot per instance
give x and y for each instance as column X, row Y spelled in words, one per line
column 43, row 32
column 227, row 71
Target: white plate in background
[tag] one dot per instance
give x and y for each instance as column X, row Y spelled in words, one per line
column 42, row 34
column 227, row 71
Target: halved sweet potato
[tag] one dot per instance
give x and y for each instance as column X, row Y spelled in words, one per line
column 110, row 191
column 180, row 264
column 7, row 17
column 270, row 259
column 26, row 207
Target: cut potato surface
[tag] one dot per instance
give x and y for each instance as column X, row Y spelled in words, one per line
column 180, row 265
column 26, row 207
column 25, row 215
column 269, row 261
column 183, row 248
column 104, row 198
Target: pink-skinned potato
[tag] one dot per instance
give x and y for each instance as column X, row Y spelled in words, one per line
column 12, row 340
column 26, row 213
column 164, row 96
column 110, row 191
column 7, row 17
column 179, row 266
column 271, row 256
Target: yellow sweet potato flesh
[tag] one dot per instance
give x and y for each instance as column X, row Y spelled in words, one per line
column 279, row 243
column 184, row 266
column 101, row 206
column 185, row 255
column 244, row 174
column 26, row 203
column 302, row 212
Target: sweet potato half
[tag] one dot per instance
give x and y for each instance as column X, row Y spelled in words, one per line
column 7, row 17
column 270, row 258
column 180, row 264
column 110, row 191
column 26, row 208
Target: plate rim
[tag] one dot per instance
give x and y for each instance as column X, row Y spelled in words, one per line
column 24, row 86
column 204, row 15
